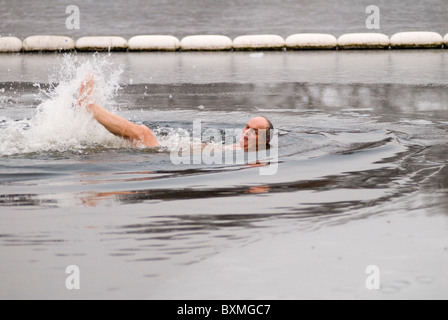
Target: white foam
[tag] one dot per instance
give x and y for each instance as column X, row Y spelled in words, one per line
column 177, row 139
column 59, row 125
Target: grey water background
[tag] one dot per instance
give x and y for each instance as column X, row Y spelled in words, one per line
column 233, row 18
column 361, row 179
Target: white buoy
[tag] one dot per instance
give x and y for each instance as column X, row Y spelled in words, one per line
column 309, row 41
column 259, row 42
column 445, row 40
column 101, row 44
column 416, row 40
column 48, row 43
column 205, row 43
column 363, row 41
column 153, row 43
column 10, row 44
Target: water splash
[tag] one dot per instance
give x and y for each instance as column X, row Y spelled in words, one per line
column 58, row 124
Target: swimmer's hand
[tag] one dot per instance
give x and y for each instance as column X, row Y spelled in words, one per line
column 85, row 95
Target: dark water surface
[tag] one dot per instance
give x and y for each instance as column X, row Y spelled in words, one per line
column 361, row 179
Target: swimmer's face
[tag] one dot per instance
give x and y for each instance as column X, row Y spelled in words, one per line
column 251, row 133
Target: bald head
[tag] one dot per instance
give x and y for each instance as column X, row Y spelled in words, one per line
column 257, row 129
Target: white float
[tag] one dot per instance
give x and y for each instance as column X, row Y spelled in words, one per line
column 206, row 42
column 48, row 43
column 363, row 41
column 311, row 41
column 10, row 44
column 259, row 42
column 153, row 43
column 101, row 44
column 404, row 40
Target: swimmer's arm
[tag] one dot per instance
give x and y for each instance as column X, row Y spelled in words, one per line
column 113, row 123
column 122, row 127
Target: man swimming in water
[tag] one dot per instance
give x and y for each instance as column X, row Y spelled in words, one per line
column 258, row 129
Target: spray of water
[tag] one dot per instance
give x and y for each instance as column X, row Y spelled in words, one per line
column 58, row 124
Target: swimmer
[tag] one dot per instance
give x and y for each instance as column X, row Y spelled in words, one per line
column 258, row 129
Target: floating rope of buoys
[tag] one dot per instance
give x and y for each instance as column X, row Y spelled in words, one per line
column 300, row 41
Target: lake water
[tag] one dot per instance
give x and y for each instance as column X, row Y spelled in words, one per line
column 233, row 18
column 361, row 177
